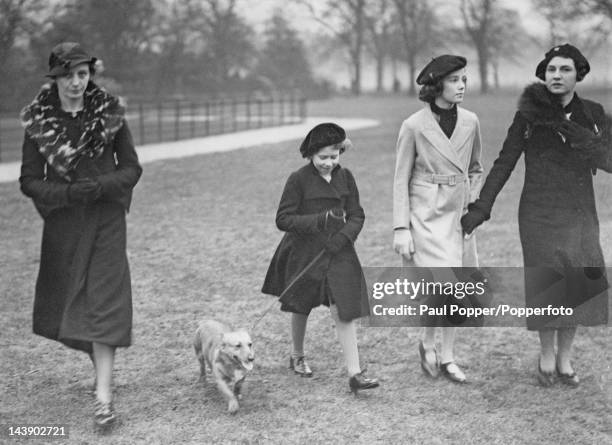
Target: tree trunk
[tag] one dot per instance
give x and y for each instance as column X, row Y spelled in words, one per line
column 380, row 65
column 483, row 63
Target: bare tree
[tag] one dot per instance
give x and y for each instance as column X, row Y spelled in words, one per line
column 600, row 7
column 506, row 39
column 379, row 19
column 417, row 22
column 345, row 20
column 14, row 18
column 478, row 22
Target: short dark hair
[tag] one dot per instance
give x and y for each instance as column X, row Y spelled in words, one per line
column 429, row 92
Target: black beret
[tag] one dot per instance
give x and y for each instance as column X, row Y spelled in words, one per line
column 439, row 67
column 321, row 136
column 569, row 51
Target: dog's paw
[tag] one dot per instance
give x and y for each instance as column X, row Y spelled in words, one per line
column 233, row 406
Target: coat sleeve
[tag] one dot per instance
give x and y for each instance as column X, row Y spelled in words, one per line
column 404, row 164
column 287, row 217
column 46, row 195
column 603, row 157
column 504, row 165
column 122, row 180
column 355, row 216
column 475, row 168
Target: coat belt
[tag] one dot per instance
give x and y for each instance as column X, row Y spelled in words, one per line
column 440, row 179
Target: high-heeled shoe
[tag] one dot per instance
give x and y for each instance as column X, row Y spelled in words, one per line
column 568, row 379
column 453, row 372
column 430, row 369
column 360, row 381
column 546, row 379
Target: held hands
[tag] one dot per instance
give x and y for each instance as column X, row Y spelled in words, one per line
column 84, row 192
column 402, row 243
column 472, row 219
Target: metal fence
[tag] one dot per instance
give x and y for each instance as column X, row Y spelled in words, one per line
column 172, row 120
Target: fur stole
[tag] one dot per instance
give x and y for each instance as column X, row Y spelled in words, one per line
column 539, row 107
column 103, row 116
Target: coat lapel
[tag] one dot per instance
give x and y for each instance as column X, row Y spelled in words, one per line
column 437, row 138
column 461, row 133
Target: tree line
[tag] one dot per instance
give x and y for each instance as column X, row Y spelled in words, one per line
column 161, row 48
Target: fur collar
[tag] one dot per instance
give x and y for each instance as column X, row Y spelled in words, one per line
column 103, row 116
column 539, row 107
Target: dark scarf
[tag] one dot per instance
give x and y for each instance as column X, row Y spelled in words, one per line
column 102, row 117
column 448, row 118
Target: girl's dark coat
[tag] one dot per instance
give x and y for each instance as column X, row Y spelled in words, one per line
column 83, row 291
column 306, row 195
column 558, row 221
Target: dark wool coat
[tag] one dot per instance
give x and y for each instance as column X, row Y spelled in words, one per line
column 83, row 291
column 338, row 277
column 558, row 221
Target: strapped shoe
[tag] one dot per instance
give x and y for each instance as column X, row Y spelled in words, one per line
column 300, row 366
column 104, row 414
column 360, row 381
column 453, row 372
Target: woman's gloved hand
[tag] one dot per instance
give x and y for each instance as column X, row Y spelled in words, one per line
column 84, row 191
column 579, row 137
column 403, row 243
column 472, row 219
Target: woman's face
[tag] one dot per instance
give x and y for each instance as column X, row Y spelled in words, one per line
column 560, row 76
column 71, row 85
column 326, row 159
column 454, row 87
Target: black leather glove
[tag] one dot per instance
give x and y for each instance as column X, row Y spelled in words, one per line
column 331, row 220
column 336, row 243
column 579, row 137
column 473, row 218
column 84, row 191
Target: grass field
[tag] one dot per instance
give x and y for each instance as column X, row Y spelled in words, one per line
column 201, row 233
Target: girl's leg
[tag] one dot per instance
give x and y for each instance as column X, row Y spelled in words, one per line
column 298, row 332
column 347, row 336
column 104, row 358
column 547, row 350
column 448, row 343
column 565, row 338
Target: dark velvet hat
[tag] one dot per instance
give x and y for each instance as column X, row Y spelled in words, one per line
column 439, row 67
column 565, row 50
column 321, row 136
column 65, row 56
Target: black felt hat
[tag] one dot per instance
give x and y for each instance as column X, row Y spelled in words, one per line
column 565, row 50
column 439, row 67
column 321, row 136
column 65, row 56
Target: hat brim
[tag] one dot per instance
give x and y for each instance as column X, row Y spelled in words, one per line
column 60, row 70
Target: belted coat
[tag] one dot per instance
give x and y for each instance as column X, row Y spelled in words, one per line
column 338, row 277
column 436, row 177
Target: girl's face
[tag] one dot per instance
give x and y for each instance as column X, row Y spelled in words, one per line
column 453, row 88
column 560, row 75
column 326, row 159
column 71, row 86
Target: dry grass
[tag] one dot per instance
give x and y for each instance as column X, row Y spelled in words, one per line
column 201, row 233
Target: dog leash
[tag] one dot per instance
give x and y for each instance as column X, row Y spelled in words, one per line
column 295, row 280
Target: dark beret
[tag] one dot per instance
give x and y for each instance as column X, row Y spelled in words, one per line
column 321, row 136
column 569, row 51
column 65, row 56
column 439, row 67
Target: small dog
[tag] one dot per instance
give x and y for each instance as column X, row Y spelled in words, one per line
column 229, row 355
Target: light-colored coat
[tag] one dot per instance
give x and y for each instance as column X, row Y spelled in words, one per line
column 435, row 179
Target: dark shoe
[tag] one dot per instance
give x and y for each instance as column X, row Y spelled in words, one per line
column 430, row 369
column 300, row 366
column 453, row 372
column 360, row 381
column 568, row 379
column 104, row 414
column 546, row 379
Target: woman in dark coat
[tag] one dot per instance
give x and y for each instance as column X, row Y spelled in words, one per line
column 79, row 166
column 315, row 262
column 565, row 139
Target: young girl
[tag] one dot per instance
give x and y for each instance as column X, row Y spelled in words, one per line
column 437, row 173
column 315, row 262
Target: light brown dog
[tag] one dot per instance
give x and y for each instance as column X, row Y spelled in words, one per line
column 229, row 355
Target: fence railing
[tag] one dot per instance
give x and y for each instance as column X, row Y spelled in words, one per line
column 172, row 120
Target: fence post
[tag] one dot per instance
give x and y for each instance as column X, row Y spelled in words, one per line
column 221, row 116
column 193, row 114
column 248, row 111
column 283, row 99
column 234, row 115
column 259, row 112
column 177, row 116
column 141, row 123
column 207, row 118
column 159, row 120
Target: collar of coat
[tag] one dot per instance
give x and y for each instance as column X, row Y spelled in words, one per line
column 540, row 107
column 315, row 186
column 103, row 116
